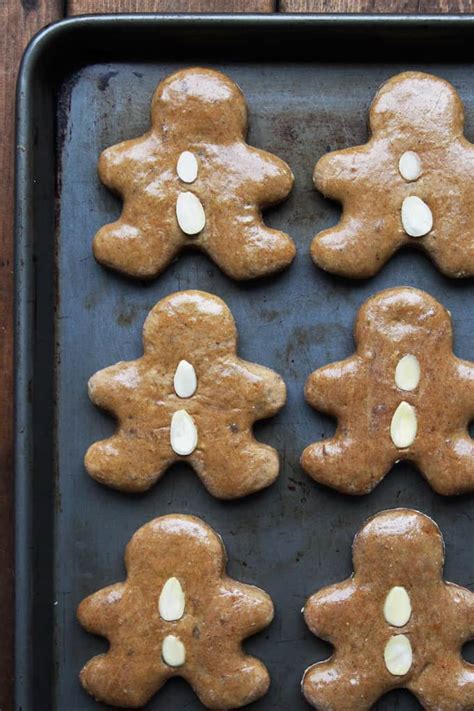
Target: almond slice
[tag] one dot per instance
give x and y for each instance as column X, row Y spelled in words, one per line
column 190, row 213
column 187, row 167
column 185, row 381
column 409, row 166
column 404, row 425
column 183, row 433
column 173, row 651
column 417, row 218
column 397, row 607
column 172, row 601
column 407, row 373
column 398, row 655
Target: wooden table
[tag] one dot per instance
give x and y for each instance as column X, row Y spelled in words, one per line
column 20, row 20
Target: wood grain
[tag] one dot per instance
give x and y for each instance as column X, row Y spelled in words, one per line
column 19, row 22
column 377, row 6
column 83, row 7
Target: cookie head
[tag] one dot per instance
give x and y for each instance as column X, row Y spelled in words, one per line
column 181, row 541
column 400, row 318
column 395, row 542
column 189, row 322
column 419, row 105
column 201, row 101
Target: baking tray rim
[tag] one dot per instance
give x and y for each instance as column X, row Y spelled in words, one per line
column 24, row 267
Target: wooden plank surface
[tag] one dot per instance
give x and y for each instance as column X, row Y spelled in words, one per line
column 19, row 22
column 83, row 7
column 377, row 6
column 20, row 19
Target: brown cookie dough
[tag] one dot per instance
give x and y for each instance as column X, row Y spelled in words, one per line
column 177, row 614
column 189, row 397
column 193, row 181
column 403, row 395
column 411, row 184
column 394, row 624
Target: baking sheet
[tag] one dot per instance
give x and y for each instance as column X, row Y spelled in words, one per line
column 83, row 89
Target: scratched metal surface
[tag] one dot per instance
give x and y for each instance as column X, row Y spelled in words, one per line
column 296, row 536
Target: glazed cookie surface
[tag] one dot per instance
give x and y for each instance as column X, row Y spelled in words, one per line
column 402, row 395
column 193, row 182
column 411, row 184
column 394, row 624
column 177, row 614
column 189, row 397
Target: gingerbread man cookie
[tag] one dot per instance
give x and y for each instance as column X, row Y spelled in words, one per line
column 394, row 624
column 403, row 395
column 177, row 614
column 193, row 182
column 411, row 184
column 189, row 397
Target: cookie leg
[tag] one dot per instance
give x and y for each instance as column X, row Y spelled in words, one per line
column 332, row 686
column 127, row 463
column 140, row 252
column 446, row 686
column 246, row 250
column 348, row 465
column 349, row 251
column 449, row 467
column 233, row 464
column 126, row 681
column 236, row 681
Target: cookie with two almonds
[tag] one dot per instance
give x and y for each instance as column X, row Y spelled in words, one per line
column 189, row 397
column 403, row 395
column 177, row 614
column 410, row 184
column 192, row 182
column 395, row 623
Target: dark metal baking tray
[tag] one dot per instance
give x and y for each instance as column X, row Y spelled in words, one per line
column 86, row 84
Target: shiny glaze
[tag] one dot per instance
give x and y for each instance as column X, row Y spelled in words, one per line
column 231, row 395
column 204, row 112
column 411, row 112
column 397, row 547
column 362, row 394
column 219, row 614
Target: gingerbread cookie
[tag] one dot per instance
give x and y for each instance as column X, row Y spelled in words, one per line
column 403, row 395
column 394, row 624
column 190, row 398
column 193, row 181
column 411, row 184
column 177, row 614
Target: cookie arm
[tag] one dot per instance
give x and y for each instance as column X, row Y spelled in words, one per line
column 112, row 386
column 99, row 612
column 119, row 162
column 259, row 388
column 273, row 178
column 329, row 389
column 465, row 391
column 325, row 609
column 247, row 608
